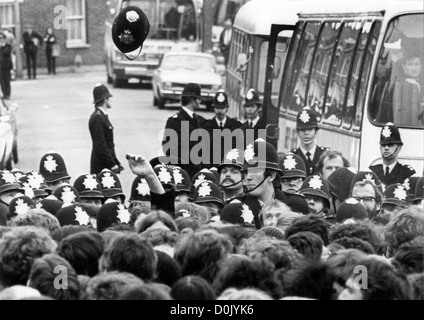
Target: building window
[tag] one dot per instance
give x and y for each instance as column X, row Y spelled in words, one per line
column 7, row 16
column 76, row 24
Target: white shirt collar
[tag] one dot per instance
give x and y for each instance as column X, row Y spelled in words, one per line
column 254, row 121
column 189, row 112
column 312, row 151
column 391, row 166
column 223, row 121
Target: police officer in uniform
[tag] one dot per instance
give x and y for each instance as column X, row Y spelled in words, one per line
column 307, row 129
column 103, row 154
column 185, row 120
column 261, row 173
column 6, row 65
column 254, row 122
column 216, row 125
column 391, row 171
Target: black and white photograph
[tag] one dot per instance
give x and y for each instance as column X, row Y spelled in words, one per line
column 213, row 150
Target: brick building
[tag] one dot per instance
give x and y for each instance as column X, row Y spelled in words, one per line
column 77, row 24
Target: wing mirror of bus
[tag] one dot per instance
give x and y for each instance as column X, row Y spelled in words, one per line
column 272, row 131
column 242, row 61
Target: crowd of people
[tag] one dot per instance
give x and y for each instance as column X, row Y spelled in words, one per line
column 259, row 225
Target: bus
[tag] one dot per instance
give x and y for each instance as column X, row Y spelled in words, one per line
column 249, row 47
column 174, row 25
column 348, row 61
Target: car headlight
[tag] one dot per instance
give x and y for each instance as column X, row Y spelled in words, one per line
column 167, row 85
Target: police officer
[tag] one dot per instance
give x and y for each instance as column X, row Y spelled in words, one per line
column 261, row 173
column 307, row 130
column 215, row 127
column 6, row 65
column 254, row 122
column 230, row 176
column 103, row 154
column 391, row 171
column 185, row 120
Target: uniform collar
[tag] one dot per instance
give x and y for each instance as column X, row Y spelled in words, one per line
column 188, row 111
column 312, row 151
column 391, row 166
column 223, row 121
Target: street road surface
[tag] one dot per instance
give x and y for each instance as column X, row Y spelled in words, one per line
column 53, row 114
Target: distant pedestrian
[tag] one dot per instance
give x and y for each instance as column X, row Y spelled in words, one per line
column 6, row 65
column 50, row 41
column 103, row 154
column 32, row 40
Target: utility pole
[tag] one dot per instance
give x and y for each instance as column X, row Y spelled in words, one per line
column 18, row 33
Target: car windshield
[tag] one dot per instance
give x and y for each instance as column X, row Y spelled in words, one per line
column 188, row 62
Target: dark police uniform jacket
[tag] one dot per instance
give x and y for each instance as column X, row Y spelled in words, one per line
column 398, row 175
column 103, row 153
column 296, row 202
column 211, row 125
column 261, row 124
column 310, row 165
column 6, row 63
column 175, row 123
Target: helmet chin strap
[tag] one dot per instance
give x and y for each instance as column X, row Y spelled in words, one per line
column 250, row 190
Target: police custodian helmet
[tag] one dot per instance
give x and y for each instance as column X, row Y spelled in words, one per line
column 129, row 30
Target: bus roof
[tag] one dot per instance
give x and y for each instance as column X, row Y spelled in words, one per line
column 328, row 7
column 257, row 16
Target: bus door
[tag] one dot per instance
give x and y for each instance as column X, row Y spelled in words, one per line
column 275, row 67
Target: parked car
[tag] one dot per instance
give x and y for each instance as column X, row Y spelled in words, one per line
column 8, row 136
column 177, row 68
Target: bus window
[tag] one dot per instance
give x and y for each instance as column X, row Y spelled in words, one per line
column 352, row 99
column 301, row 72
column 398, row 94
column 280, row 58
column 339, row 79
column 322, row 66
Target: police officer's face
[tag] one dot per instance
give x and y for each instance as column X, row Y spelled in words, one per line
column 315, row 204
column 252, row 111
column 390, row 151
column 307, row 136
column 93, row 201
column 230, row 178
column 108, row 103
column 221, row 113
column 291, row 184
column 252, row 178
column 181, row 198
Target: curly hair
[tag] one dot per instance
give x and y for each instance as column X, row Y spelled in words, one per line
column 18, row 249
column 404, row 227
column 310, row 222
column 130, row 253
column 309, row 244
column 201, row 253
column 364, row 230
column 144, row 222
column 242, row 272
column 44, row 272
column 111, row 285
column 38, row 218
